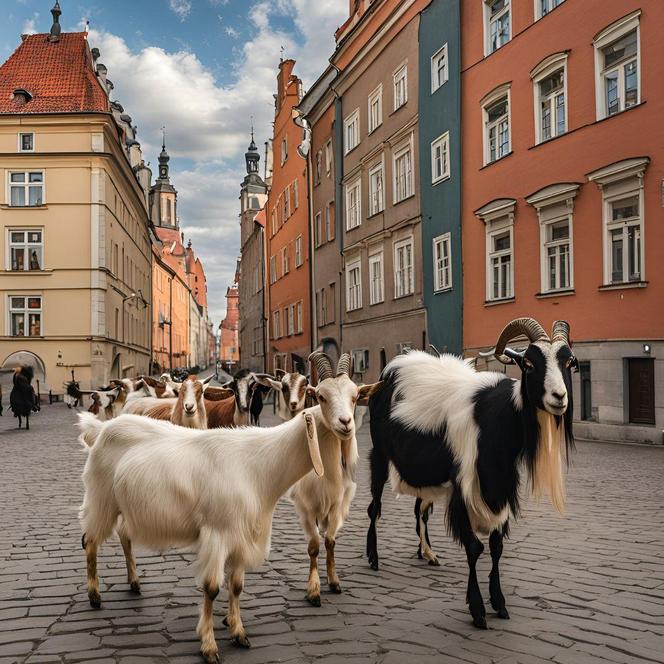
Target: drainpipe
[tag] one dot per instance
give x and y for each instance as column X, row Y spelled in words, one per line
column 338, row 208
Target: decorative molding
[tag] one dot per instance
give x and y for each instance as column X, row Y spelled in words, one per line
column 619, row 170
column 497, row 208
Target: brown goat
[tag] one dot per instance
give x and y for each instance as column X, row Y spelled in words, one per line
column 222, row 414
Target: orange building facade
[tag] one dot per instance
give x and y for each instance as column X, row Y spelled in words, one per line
column 287, row 244
column 563, row 163
column 229, row 329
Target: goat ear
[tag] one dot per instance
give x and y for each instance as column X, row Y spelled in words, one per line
column 267, row 381
column 366, row 391
column 175, row 387
column 208, row 380
column 312, row 440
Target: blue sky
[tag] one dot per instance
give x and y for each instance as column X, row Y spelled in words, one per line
column 202, row 68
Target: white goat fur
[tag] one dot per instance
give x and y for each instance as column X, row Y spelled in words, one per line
column 214, row 489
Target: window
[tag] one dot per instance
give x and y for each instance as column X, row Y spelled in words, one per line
column 376, row 108
column 439, row 73
column 621, row 185
column 286, row 199
column 496, row 24
column 318, row 229
column 25, row 316
column 298, row 251
column 284, row 261
column 376, row 190
column 403, row 173
column 557, row 252
column 26, row 142
column 322, row 299
column 400, row 78
column 500, row 265
column 352, row 131
column 354, row 286
column 317, row 173
column 26, row 249
column 376, row 278
column 442, row 264
column 291, row 320
column 26, row 189
column 550, row 90
column 329, row 222
column 296, row 195
column 273, row 222
column 284, row 150
column 497, row 128
column 440, row 158
column 543, row 7
column 273, row 269
column 353, row 205
column 276, row 324
column 360, row 358
column 403, row 268
column 328, row 158
column 617, row 66
column 298, row 318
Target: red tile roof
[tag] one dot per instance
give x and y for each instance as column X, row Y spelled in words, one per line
column 58, row 75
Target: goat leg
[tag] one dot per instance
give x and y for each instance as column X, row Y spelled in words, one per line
column 495, row 591
column 234, row 621
column 205, row 627
column 423, row 531
column 93, row 580
column 132, row 574
column 313, row 584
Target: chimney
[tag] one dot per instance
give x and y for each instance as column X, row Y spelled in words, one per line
column 56, row 29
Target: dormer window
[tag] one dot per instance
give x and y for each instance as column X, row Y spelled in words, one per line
column 26, row 142
column 22, row 96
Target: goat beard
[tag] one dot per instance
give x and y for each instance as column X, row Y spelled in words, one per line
column 547, row 472
column 349, row 455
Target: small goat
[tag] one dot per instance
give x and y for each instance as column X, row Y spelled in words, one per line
column 290, row 390
column 189, row 408
column 22, row 398
column 164, row 486
column 443, row 431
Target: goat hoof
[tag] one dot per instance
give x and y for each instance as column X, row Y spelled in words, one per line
column 374, row 565
column 434, row 563
column 210, row 657
column 480, row 622
column 314, row 601
column 419, row 553
column 335, row 588
column 95, row 599
column 135, row 587
column 502, row 613
column 241, row 641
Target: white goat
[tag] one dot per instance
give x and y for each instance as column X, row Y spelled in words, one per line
column 163, row 485
column 290, row 391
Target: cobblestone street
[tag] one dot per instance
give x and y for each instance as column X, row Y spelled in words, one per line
column 585, row 588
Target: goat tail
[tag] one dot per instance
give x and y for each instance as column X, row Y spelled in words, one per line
column 90, row 428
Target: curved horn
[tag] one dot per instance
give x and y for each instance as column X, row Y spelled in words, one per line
column 528, row 326
column 560, row 332
column 322, row 364
column 345, row 365
column 433, row 351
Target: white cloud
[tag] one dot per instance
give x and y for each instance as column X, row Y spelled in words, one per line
column 208, row 123
column 30, row 25
column 181, row 8
column 232, row 32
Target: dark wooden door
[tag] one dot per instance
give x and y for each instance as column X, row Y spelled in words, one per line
column 586, row 392
column 642, row 390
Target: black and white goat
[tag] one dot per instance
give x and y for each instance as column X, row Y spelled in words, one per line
column 443, row 431
column 290, row 390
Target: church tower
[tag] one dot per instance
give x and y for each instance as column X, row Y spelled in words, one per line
column 163, row 196
column 253, row 191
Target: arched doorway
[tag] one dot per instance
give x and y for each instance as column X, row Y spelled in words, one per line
column 115, row 366
column 23, row 358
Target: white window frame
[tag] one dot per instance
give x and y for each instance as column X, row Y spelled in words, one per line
column 291, row 319
column 549, row 66
column 21, row 134
column 436, row 58
column 26, row 313
column 328, row 158
column 553, row 204
column 352, row 122
column 625, row 224
column 26, row 246
column 26, row 186
column 375, row 96
column 329, row 223
column 296, row 195
column 487, row 103
column 285, row 260
column 354, row 297
column 298, row 251
column 403, row 287
column 488, row 21
column 353, row 219
column 545, row 244
column 440, row 283
column 284, row 150
column 443, row 142
column 499, row 227
column 298, row 318
column 276, row 323
column 377, row 198
column 318, row 229
column 400, row 151
column 400, row 74
column 606, row 37
column 551, row 5
column 376, row 292
column 617, row 181
column 273, row 269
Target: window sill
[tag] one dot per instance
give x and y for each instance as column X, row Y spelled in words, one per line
column 373, row 304
column 378, row 126
column 558, row 293
column 397, row 109
column 497, row 161
column 401, row 297
column 445, row 178
column 440, row 291
column 24, row 207
column 375, row 214
column 352, row 228
column 617, row 115
column 504, row 300
column 433, row 92
column 623, row 285
column 25, row 272
column 403, row 200
column 350, row 311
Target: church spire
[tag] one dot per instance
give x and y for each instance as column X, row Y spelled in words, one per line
column 252, row 156
column 164, row 158
column 56, row 28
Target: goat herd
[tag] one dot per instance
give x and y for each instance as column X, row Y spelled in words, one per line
column 174, row 465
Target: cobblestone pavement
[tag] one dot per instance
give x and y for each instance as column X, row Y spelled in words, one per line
column 585, row 588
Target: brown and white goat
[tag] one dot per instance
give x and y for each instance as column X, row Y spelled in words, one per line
column 189, row 407
column 290, row 390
